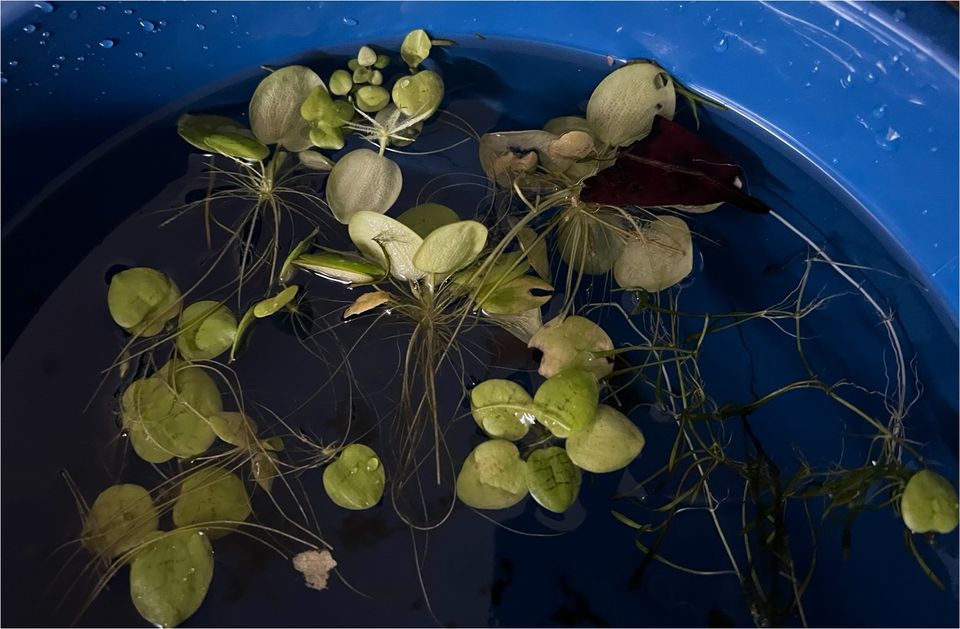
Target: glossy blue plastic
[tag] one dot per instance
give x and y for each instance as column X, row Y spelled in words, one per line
column 859, row 96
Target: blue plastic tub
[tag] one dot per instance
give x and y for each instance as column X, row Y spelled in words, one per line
column 846, row 114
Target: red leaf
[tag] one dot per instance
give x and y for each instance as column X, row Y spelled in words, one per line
column 671, row 166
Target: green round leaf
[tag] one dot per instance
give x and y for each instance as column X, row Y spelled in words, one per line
column 273, row 304
column 275, row 107
column 929, row 503
column 169, row 578
column 207, row 329
column 234, row 428
column 167, row 418
column 353, row 64
column 502, row 408
column 341, row 82
column 141, row 300
column 418, row 95
column 372, row 98
column 622, row 107
column 427, row 217
column 415, row 47
column 363, row 180
column 339, row 267
column 326, row 137
column 516, row 296
column 554, row 481
column 264, row 469
column 506, row 268
column 608, row 443
column 572, row 343
column 382, row 62
column 121, row 517
column 376, row 78
column 367, row 56
column 356, row 479
column 236, row 145
column 362, row 75
column 451, row 247
column 567, row 402
column 591, row 241
column 659, row 258
column 388, row 242
column 212, row 495
column 492, row 476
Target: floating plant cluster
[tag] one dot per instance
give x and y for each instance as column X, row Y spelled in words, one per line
column 594, row 195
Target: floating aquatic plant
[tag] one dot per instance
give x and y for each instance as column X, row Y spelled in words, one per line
column 586, row 195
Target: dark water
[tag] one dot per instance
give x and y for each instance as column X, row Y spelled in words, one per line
column 58, row 337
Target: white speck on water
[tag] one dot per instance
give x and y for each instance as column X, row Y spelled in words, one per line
column 29, row 28
column 148, row 25
column 619, row 29
column 349, row 21
column 846, row 81
column 201, row 27
column 73, row 14
column 888, row 140
column 128, row 11
column 138, row 54
column 107, row 43
column 46, row 7
column 101, row 7
column 870, row 76
column 720, row 45
column 836, row 25
column 13, row 63
column 880, row 112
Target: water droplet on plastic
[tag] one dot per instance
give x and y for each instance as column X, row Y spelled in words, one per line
column 349, row 21
column 55, row 66
column 46, row 7
column 707, row 21
column 846, row 81
column 201, row 27
column 73, row 14
column 836, row 25
column 659, row 414
column 29, row 28
column 807, row 84
column 934, row 149
column 214, row 11
column 13, row 63
column 372, row 464
column 148, row 25
column 163, row 23
column 888, row 140
column 834, row 161
column 205, row 47
column 138, row 54
column 899, row 15
column 870, row 76
column 168, row 67
column 45, row 34
column 924, row 212
column 3, row 80
column 81, row 58
column 816, row 66
column 107, row 43
column 43, row 42
column 720, row 45
column 101, row 7
column 128, row 11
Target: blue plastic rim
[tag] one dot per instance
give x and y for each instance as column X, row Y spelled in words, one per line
column 854, row 88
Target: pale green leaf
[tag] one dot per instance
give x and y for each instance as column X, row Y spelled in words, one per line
column 170, row 577
column 449, row 248
column 622, row 108
column 553, row 480
column 214, row 496
column 236, row 145
column 573, row 343
column 418, row 95
column 363, row 181
column 608, row 443
column 522, row 325
column 388, row 242
column 340, row 267
column 315, row 160
column 341, row 82
column 206, row 330
column 659, row 257
column 415, row 47
column 492, row 476
column 382, row 62
column 355, row 480
column 426, row 217
column 371, row 98
column 929, row 503
column 367, row 56
column 517, row 296
column 286, row 270
column 275, row 107
column 141, row 300
column 272, row 305
column 591, row 241
column 365, row 302
column 234, row 428
column 263, row 466
column 121, row 517
column 502, row 408
column 535, row 249
column 567, row 402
